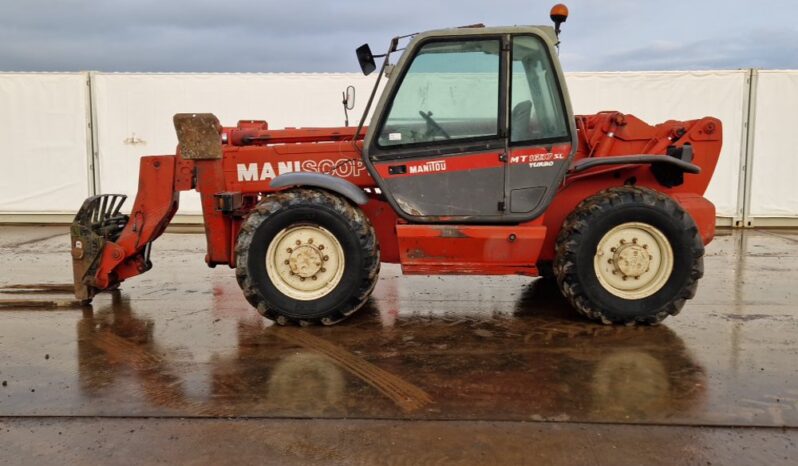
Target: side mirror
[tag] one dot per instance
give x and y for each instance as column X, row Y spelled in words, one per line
column 366, row 59
column 349, row 98
column 348, row 102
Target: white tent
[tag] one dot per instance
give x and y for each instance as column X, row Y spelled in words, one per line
column 47, row 142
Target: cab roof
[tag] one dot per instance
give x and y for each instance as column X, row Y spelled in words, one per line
column 546, row 32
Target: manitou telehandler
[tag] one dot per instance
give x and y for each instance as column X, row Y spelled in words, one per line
column 473, row 163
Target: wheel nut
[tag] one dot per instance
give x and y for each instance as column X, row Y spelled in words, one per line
column 303, row 279
column 286, row 262
column 613, row 249
column 634, row 240
column 298, row 242
column 289, row 250
column 609, row 261
column 322, row 270
column 314, row 277
column 624, row 277
column 326, row 258
column 310, row 241
column 645, row 246
column 321, row 247
column 623, row 241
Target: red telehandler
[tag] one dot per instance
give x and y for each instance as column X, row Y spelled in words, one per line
column 473, row 163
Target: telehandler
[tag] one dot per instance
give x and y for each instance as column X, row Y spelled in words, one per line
column 473, row 163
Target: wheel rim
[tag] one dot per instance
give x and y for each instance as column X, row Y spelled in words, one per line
column 305, row 262
column 633, row 260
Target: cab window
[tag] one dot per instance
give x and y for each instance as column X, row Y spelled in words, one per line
column 450, row 92
column 536, row 105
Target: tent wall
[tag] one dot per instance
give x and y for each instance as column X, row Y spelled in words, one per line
column 774, row 190
column 46, row 143
column 135, row 112
column 660, row 96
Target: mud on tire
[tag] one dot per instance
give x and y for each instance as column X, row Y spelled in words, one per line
column 580, row 243
column 309, row 208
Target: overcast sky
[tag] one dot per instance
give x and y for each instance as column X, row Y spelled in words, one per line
column 299, row 35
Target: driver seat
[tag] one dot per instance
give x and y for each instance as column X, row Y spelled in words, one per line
column 521, row 121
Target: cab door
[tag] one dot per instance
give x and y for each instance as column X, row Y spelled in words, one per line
column 436, row 145
column 540, row 128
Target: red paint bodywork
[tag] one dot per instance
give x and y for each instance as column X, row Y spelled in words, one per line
column 470, row 249
column 254, row 154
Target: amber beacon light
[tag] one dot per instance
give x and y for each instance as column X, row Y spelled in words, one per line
column 558, row 14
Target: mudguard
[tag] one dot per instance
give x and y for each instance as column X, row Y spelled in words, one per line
column 321, row 180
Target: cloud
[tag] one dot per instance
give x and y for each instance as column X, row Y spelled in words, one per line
column 303, row 35
column 756, row 49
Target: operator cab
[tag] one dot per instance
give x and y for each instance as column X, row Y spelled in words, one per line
column 451, row 92
column 473, row 126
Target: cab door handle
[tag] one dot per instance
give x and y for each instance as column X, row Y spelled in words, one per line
column 397, row 169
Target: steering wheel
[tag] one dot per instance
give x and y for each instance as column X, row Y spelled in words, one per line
column 433, row 125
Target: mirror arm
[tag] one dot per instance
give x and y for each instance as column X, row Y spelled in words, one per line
column 346, row 110
column 371, row 98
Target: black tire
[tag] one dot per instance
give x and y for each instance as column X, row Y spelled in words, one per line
column 595, row 216
column 351, row 228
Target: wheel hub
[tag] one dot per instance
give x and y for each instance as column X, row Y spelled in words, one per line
column 631, row 260
column 305, row 262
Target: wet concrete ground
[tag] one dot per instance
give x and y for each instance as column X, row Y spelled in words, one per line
column 451, row 369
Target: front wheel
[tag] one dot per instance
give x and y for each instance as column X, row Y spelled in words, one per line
column 629, row 255
column 307, row 256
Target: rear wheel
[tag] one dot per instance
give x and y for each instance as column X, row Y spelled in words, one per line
column 307, row 256
column 629, row 255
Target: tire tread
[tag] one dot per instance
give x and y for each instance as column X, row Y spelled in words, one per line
column 353, row 216
column 572, row 233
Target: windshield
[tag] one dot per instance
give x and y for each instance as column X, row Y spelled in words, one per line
column 450, row 92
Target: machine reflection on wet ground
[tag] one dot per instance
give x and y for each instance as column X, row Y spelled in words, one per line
column 541, row 366
column 182, row 343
